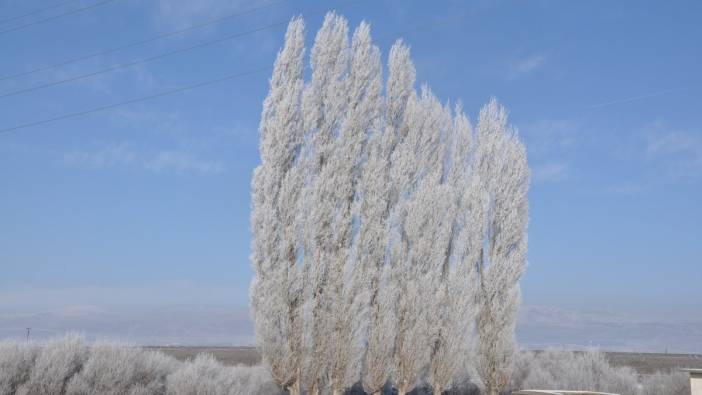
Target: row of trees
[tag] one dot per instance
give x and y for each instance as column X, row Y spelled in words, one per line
column 389, row 236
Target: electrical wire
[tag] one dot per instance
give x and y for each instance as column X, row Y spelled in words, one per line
column 51, row 18
column 141, row 42
column 197, row 85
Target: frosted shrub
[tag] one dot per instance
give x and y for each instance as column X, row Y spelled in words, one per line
column 205, row 375
column 57, row 361
column 567, row 370
column 675, row 383
column 119, row 369
column 575, row 371
column 16, row 361
column 68, row 366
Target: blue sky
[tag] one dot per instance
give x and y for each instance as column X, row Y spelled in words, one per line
column 147, row 205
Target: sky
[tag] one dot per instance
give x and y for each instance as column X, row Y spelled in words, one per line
column 133, row 222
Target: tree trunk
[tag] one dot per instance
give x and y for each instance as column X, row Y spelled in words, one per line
column 492, row 391
column 294, row 388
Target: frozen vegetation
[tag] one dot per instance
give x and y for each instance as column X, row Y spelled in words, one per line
column 68, row 365
column 389, row 234
column 590, row 371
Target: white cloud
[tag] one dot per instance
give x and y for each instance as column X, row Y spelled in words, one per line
column 549, row 172
column 679, row 152
column 179, row 14
column 626, row 189
column 526, row 65
column 549, row 136
column 549, row 143
column 112, row 155
column 181, row 162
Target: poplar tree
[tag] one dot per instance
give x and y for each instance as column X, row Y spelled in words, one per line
column 388, row 236
column 275, row 287
column 501, row 159
column 324, row 108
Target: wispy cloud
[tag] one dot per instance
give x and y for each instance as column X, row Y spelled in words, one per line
column 526, row 65
column 553, row 171
column 549, row 143
column 550, row 136
column 679, row 151
column 626, row 189
column 181, row 162
column 125, row 155
column 112, row 154
column 635, row 98
column 179, row 14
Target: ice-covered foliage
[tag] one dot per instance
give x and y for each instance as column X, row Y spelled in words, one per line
column 590, row 371
column 205, row 375
column 16, row 362
column 114, row 369
column 383, row 224
column 56, row 363
column 69, row 366
column 674, row 383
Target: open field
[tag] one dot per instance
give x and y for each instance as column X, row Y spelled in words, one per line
column 226, row 355
column 643, row 363
column 648, row 363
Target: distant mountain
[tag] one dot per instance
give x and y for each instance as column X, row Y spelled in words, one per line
column 164, row 326
column 538, row 327
column 547, row 326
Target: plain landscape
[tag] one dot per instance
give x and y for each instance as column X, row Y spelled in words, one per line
column 70, row 365
column 466, row 198
column 642, row 363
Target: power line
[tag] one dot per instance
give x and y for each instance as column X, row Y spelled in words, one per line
column 144, row 60
column 197, row 85
column 141, row 42
column 159, row 56
column 51, row 18
column 37, row 11
column 138, row 99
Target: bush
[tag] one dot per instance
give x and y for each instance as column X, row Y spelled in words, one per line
column 57, row 361
column 205, row 376
column 675, row 383
column 16, row 361
column 591, row 371
column 115, row 369
column 68, row 366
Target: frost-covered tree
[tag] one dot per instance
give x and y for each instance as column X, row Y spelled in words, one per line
column 344, row 171
column 501, row 161
column 374, row 210
column 275, row 288
column 325, row 101
column 388, row 236
column 417, row 170
column 453, row 282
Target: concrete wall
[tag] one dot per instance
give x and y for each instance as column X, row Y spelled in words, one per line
column 559, row 392
column 696, row 383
